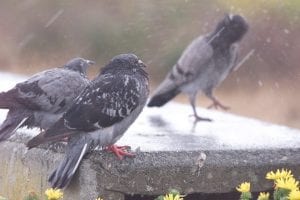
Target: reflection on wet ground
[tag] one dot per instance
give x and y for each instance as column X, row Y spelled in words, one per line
column 171, row 128
column 158, row 121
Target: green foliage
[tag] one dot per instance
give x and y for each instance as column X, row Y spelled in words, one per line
column 246, row 196
column 32, row 196
column 281, row 194
column 161, row 197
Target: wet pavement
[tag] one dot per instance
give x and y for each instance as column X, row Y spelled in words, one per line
column 171, row 152
column 172, row 128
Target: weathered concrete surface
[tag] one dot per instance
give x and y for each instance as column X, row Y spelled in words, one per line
column 170, row 153
column 100, row 174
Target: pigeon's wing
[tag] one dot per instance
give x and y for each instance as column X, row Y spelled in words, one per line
column 106, row 101
column 51, row 90
column 195, row 59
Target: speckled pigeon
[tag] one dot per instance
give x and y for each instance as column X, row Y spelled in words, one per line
column 100, row 115
column 42, row 99
column 203, row 65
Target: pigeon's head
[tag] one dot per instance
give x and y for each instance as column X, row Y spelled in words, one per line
column 79, row 65
column 232, row 28
column 123, row 62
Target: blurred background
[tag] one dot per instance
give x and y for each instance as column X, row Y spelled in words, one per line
column 36, row 35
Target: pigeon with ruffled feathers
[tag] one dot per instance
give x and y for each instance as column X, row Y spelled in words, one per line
column 42, row 99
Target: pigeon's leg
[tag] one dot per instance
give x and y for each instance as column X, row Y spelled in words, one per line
column 120, row 151
column 192, row 98
column 216, row 103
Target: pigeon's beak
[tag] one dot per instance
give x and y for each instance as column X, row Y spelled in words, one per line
column 141, row 63
column 90, row 62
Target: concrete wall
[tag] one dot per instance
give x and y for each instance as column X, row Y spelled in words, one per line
column 171, row 152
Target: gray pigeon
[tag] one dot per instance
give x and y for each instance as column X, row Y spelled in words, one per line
column 100, row 115
column 204, row 64
column 42, row 99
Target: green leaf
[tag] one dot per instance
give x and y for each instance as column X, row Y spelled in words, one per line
column 161, row 197
column 32, row 196
column 246, row 196
column 174, row 192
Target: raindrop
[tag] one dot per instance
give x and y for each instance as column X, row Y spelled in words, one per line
column 249, row 54
column 286, row 31
column 260, row 83
column 54, row 18
column 26, row 40
column 216, row 35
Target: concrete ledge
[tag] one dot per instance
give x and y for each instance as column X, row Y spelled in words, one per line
column 100, row 174
column 171, row 153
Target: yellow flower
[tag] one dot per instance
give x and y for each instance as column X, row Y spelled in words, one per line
column 173, row 197
column 284, row 173
column 99, row 198
column 244, row 187
column 294, row 195
column 53, row 194
column 288, row 183
column 263, row 196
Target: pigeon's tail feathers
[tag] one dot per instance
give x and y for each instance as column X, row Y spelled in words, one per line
column 167, row 90
column 55, row 133
column 57, row 128
column 42, row 138
column 7, row 99
column 39, row 139
column 12, row 122
column 162, row 98
column 63, row 174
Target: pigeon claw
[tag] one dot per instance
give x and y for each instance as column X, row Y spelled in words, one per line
column 120, row 151
column 216, row 104
column 197, row 119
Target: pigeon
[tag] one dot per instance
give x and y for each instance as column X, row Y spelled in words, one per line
column 99, row 116
column 42, row 99
column 203, row 65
